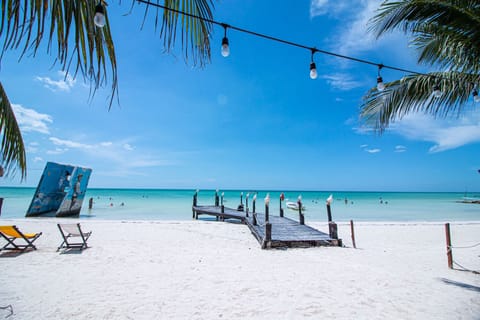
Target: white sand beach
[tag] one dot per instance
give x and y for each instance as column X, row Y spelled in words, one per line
column 216, row 270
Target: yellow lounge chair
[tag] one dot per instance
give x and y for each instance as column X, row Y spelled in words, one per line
column 73, row 230
column 12, row 234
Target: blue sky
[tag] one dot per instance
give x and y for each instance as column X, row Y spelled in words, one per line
column 254, row 120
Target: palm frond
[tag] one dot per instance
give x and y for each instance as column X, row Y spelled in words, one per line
column 414, row 93
column 455, row 22
column 12, row 148
column 24, row 24
column 194, row 32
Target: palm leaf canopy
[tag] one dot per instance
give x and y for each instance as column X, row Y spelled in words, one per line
column 79, row 46
column 446, row 35
column 12, row 149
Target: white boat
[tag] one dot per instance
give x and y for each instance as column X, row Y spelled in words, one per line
column 293, row 206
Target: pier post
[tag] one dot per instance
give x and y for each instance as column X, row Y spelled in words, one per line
column 222, row 210
column 449, row 245
column 216, row 198
column 223, row 194
column 195, row 195
column 282, row 197
column 301, row 217
column 329, row 211
column 246, row 204
column 254, row 215
column 353, row 234
column 333, row 230
column 267, row 241
column 241, row 198
column 253, row 202
column 267, row 204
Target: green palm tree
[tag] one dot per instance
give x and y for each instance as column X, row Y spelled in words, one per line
column 446, row 35
column 67, row 30
column 12, row 149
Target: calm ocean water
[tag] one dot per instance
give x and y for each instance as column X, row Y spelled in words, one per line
column 151, row 204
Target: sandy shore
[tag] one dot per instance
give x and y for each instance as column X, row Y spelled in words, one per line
column 215, row 270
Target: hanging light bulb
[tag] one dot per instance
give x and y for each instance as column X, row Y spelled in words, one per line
column 380, row 84
column 99, row 18
column 313, row 68
column 436, row 91
column 313, row 71
column 225, row 46
column 476, row 98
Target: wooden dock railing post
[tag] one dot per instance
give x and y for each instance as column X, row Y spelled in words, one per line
column 267, row 204
column 282, row 197
column 254, row 215
column 216, row 198
column 241, row 198
column 329, row 211
column 449, row 245
column 301, row 217
column 223, row 194
column 246, row 204
column 194, row 203
column 267, row 241
column 353, row 234
column 332, row 226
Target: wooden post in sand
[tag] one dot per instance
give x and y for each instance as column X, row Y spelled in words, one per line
column 449, row 245
column 254, row 215
column 301, row 217
column 221, row 201
column 216, row 198
column 267, row 210
column 282, row 197
column 353, row 234
column 194, row 203
column 268, row 236
column 246, row 204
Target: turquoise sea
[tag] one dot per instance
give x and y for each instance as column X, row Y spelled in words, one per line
column 152, row 204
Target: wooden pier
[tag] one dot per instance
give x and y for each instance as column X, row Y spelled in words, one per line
column 276, row 232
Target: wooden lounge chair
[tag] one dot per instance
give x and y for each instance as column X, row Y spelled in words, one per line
column 70, row 231
column 12, row 234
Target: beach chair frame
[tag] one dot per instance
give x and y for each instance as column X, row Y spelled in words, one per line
column 12, row 234
column 69, row 231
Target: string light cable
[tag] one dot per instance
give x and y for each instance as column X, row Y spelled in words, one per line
column 380, row 84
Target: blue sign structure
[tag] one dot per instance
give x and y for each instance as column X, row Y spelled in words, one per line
column 60, row 191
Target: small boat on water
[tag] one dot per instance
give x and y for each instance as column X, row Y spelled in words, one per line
column 470, row 200
column 294, row 205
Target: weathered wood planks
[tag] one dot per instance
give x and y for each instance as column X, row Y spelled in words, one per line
column 282, row 232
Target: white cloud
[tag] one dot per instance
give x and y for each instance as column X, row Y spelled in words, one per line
column 318, row 8
column 373, row 150
column 30, row 120
column 37, row 159
column 364, row 146
column 342, row 81
column 328, row 7
column 127, row 147
column 445, row 134
column 65, row 82
column 70, row 144
column 57, row 151
column 114, row 153
column 400, row 148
